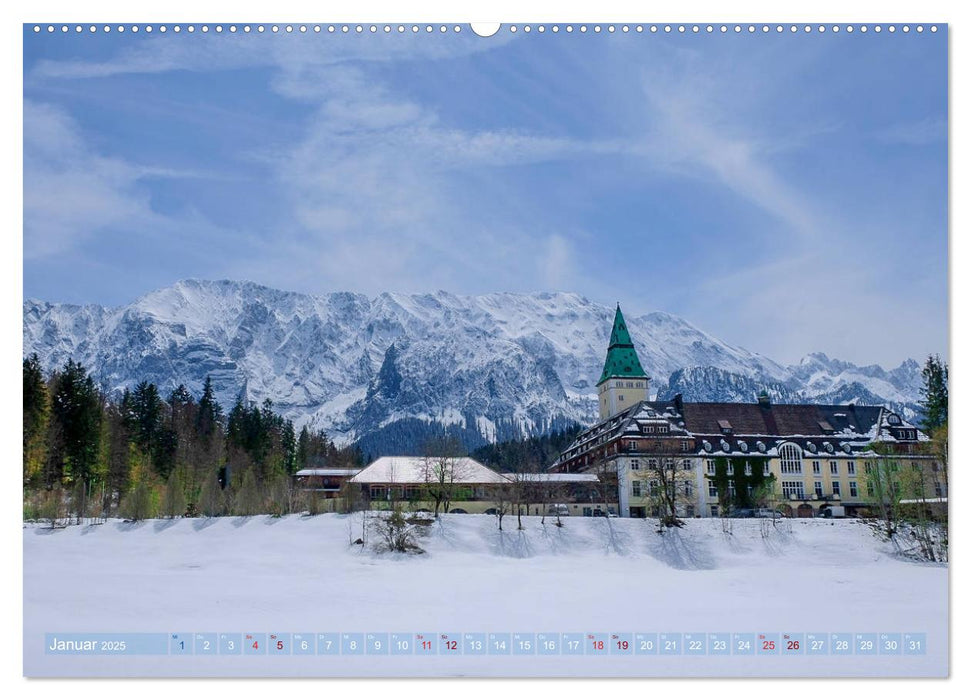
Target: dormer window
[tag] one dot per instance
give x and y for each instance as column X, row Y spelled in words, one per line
column 893, row 419
column 725, row 427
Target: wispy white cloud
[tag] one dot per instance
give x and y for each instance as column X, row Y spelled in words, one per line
column 920, row 133
column 70, row 191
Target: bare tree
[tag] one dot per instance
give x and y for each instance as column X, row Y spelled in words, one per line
column 502, row 498
column 605, row 488
column 668, row 492
column 550, row 493
column 441, row 469
column 883, row 489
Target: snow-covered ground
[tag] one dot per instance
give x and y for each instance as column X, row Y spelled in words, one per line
column 594, row 575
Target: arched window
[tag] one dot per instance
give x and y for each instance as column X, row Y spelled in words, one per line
column 790, row 457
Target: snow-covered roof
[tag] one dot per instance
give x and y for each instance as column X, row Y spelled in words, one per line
column 422, row 470
column 564, row 477
column 327, row 472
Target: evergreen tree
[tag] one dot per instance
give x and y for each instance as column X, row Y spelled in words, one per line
column 76, row 406
column 209, row 414
column 35, row 416
column 288, row 444
column 934, row 393
column 119, row 454
column 145, row 417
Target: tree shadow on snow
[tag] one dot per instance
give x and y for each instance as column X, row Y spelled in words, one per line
column 679, row 550
column 241, row 520
column 200, row 524
column 48, row 530
column 777, row 541
column 514, row 544
column 615, row 541
column 555, row 538
column 163, row 525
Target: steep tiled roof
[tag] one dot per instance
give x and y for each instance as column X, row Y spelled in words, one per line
column 779, row 419
column 621, row 359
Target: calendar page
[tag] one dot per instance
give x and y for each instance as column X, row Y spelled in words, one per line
column 611, row 349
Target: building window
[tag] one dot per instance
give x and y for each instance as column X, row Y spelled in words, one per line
column 685, row 445
column 379, row 493
column 714, row 511
column 710, row 467
column 712, row 490
column 834, row 468
column 817, row 468
column 765, row 468
column 588, row 512
column 652, row 464
column 647, row 429
column 635, row 488
column 688, row 491
column 818, row 488
column 792, row 488
column 790, row 457
column 867, row 467
column 851, row 468
column 411, row 493
column 731, row 469
column 631, row 444
column 662, row 428
column 635, row 465
column 689, row 511
column 731, row 490
column 669, row 464
column 620, row 398
column 938, row 491
column 836, row 488
column 869, row 490
column 653, row 487
column 686, row 464
column 853, row 490
column 748, row 469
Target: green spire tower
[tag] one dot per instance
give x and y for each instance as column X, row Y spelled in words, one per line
column 623, row 381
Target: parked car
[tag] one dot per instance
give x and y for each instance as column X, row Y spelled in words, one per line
column 491, row 511
column 769, row 513
column 600, row 513
column 560, row 509
column 834, row 512
column 741, row 513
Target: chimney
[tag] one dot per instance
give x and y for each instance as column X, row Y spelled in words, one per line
column 764, row 401
column 679, row 404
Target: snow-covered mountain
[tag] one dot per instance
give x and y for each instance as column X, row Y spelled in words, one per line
column 494, row 365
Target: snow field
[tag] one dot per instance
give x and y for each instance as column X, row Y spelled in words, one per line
column 299, row 574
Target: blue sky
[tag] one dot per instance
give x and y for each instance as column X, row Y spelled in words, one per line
column 787, row 193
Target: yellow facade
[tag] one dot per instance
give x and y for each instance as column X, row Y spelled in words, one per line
column 617, row 394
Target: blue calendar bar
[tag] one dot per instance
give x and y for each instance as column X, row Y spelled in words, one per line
column 629, row 644
column 106, row 644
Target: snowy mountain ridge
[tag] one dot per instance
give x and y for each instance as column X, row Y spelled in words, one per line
column 496, row 365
